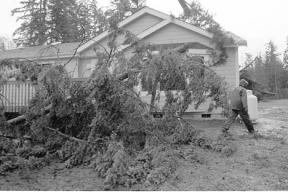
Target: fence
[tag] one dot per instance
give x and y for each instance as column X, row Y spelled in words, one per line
column 15, row 96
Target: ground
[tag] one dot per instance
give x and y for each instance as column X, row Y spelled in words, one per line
column 257, row 164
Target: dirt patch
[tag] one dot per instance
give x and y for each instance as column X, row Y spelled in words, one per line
column 53, row 178
column 258, row 164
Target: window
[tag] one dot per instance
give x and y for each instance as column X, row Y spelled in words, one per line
column 202, row 55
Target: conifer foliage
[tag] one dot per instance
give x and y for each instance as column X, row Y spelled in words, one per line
column 49, row 21
column 102, row 122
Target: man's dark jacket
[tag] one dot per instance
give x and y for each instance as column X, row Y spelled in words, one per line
column 238, row 99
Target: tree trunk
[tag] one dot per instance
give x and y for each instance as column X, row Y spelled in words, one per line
column 184, row 7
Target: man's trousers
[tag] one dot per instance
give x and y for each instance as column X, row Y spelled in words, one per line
column 245, row 117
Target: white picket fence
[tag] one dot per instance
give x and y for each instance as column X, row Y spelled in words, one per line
column 15, row 96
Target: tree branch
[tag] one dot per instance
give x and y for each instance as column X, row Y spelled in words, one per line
column 17, row 119
column 74, row 138
column 8, row 137
column 22, row 117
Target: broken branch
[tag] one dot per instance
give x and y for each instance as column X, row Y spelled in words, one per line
column 74, row 138
column 17, row 119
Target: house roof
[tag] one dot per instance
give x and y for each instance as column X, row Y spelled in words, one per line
column 167, row 19
column 237, row 40
column 41, row 52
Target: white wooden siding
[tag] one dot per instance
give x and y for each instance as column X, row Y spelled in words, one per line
column 86, row 67
column 15, row 96
column 101, row 46
column 172, row 33
column 229, row 70
column 71, row 65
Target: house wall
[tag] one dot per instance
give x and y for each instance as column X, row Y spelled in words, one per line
column 172, row 33
column 101, row 46
column 86, row 66
column 137, row 26
column 229, row 70
column 70, row 65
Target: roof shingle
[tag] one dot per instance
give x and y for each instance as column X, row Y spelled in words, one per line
column 40, row 52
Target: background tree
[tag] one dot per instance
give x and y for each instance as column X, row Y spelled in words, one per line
column 34, row 24
column 259, row 70
column 6, row 43
column 120, row 9
column 273, row 67
column 91, row 18
column 268, row 71
column 48, row 21
column 63, row 21
column 285, row 54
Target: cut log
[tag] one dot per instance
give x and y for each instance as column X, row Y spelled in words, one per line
column 8, row 137
column 17, row 119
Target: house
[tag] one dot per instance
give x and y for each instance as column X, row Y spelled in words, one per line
column 150, row 26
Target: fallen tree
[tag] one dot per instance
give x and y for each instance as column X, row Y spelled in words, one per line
column 102, row 120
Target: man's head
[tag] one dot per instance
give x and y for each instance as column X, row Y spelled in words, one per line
column 243, row 83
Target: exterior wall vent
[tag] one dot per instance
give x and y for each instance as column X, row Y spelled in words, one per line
column 206, row 115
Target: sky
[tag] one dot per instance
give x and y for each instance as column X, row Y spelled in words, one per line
column 257, row 21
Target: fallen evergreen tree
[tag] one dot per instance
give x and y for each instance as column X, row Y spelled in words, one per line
column 102, row 121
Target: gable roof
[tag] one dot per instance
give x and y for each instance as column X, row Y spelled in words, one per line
column 41, row 52
column 166, row 19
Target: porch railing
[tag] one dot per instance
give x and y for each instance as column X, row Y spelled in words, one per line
column 15, row 96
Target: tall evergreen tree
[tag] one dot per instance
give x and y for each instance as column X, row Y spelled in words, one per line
column 273, row 68
column 285, row 55
column 259, row 71
column 84, row 22
column 91, row 18
column 48, row 21
column 6, row 43
column 121, row 9
column 33, row 29
column 64, row 21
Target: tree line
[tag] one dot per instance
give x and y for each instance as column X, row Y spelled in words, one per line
column 50, row 21
column 269, row 69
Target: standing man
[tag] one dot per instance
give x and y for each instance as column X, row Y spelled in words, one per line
column 238, row 105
